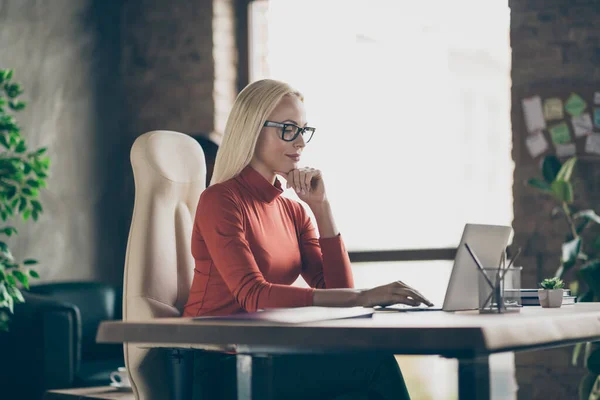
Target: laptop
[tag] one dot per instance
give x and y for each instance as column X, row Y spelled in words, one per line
column 487, row 242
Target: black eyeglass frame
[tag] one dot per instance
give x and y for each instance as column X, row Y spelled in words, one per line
column 299, row 130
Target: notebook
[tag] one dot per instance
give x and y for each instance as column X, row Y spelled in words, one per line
column 296, row 315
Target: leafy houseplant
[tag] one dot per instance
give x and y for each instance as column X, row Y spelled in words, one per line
column 22, row 174
column 551, row 293
column 581, row 258
column 552, row 284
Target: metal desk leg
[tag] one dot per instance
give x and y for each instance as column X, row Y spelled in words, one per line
column 474, row 378
column 254, row 377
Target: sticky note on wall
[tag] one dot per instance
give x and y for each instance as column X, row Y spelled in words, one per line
column 560, row 133
column 553, row 109
column 536, row 144
column 582, row 125
column 534, row 116
column 592, row 144
column 575, row 105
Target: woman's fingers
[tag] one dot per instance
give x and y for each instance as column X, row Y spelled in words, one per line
column 297, row 180
column 414, row 293
column 407, row 292
column 306, row 181
column 411, row 302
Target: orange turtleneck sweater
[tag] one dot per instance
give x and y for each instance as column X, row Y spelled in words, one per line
column 250, row 244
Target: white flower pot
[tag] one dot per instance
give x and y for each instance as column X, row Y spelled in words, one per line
column 551, row 298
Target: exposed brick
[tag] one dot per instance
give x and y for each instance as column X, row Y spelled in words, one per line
column 179, row 59
column 552, row 40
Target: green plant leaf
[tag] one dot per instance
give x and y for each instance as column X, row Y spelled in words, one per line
column 588, row 214
column 9, row 231
column 16, row 294
column 26, row 214
column 552, row 283
column 5, row 75
column 566, row 171
column 11, row 191
column 562, row 191
column 21, row 277
column 576, row 352
column 540, row 185
column 570, row 251
column 33, row 183
column 16, row 105
column 4, row 142
column 21, row 147
column 550, row 168
column 34, row 274
column 11, row 280
column 37, row 205
column 23, row 204
column 30, row 261
column 585, row 386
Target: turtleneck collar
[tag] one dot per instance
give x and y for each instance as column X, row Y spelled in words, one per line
column 256, row 184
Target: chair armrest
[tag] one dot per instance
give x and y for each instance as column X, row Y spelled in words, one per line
column 45, row 342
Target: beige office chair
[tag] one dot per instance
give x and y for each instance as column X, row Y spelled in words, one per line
column 169, row 170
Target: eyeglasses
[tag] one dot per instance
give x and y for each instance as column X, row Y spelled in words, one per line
column 289, row 132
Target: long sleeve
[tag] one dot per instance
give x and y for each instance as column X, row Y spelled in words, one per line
column 325, row 262
column 222, row 225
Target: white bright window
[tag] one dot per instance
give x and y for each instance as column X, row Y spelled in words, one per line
column 411, row 101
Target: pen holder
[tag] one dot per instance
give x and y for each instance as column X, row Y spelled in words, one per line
column 505, row 296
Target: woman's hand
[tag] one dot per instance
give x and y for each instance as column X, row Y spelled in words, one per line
column 308, row 184
column 392, row 293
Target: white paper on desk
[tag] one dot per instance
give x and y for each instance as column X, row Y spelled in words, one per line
column 536, row 144
column 582, row 125
column 592, row 144
column 565, row 150
column 296, row 315
column 534, row 115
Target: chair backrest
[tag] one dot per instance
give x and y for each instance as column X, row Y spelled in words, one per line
column 169, row 171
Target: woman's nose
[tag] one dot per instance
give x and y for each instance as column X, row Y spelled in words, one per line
column 299, row 142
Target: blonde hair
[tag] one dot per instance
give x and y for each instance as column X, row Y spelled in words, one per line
column 250, row 110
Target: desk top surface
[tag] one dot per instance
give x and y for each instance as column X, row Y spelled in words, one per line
column 429, row 332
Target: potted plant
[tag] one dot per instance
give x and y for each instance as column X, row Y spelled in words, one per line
column 22, row 173
column 551, row 292
column 580, row 258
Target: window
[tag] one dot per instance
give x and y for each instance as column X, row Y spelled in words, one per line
column 411, row 101
column 411, row 104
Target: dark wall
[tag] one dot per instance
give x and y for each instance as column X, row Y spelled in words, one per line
column 66, row 54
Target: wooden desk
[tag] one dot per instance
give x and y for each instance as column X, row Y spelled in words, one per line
column 468, row 336
column 101, row 392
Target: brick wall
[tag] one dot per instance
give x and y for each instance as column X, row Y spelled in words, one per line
column 179, row 64
column 556, row 41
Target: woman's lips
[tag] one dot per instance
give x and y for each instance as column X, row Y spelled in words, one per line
column 294, row 157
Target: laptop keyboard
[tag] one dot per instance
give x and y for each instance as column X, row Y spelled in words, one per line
column 406, row 307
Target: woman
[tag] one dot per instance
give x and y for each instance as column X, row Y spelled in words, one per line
column 250, row 244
